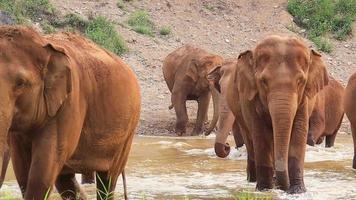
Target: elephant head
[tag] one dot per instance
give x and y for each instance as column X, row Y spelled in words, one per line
column 198, row 71
column 35, row 81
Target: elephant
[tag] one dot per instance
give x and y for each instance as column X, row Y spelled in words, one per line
column 327, row 115
column 185, row 71
column 350, row 109
column 219, row 79
column 67, row 106
column 272, row 93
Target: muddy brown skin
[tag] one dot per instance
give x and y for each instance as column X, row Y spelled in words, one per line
column 219, row 78
column 327, row 114
column 350, row 109
column 271, row 94
column 67, row 106
column 185, row 71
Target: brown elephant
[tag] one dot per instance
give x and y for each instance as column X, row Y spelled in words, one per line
column 327, row 114
column 350, row 109
column 67, row 106
column 271, row 94
column 219, row 78
column 185, row 71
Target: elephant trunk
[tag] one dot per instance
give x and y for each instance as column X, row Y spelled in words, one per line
column 216, row 99
column 282, row 107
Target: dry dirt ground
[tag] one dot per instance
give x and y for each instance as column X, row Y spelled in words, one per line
column 224, row 27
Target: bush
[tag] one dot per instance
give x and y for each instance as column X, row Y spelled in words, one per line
column 165, row 30
column 319, row 17
column 322, row 43
column 141, row 23
column 120, row 4
column 103, row 32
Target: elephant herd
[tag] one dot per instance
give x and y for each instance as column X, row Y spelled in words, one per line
column 68, row 106
column 275, row 99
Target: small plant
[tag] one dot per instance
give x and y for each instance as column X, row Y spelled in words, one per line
column 165, row 30
column 141, row 23
column 75, row 21
column 323, row 44
column 247, row 195
column 120, row 4
column 48, row 28
column 103, row 32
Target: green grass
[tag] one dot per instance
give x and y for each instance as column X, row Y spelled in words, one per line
column 165, row 30
column 324, row 17
column 250, row 195
column 141, row 23
column 34, row 10
column 104, row 33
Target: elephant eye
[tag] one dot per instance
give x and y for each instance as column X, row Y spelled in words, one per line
column 20, row 83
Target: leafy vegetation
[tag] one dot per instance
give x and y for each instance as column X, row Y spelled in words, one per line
column 247, row 195
column 100, row 30
column 103, row 32
column 165, row 30
column 323, row 17
column 120, row 4
column 141, row 23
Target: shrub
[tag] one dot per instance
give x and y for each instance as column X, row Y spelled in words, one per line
column 319, row 17
column 141, row 23
column 322, row 43
column 103, row 32
column 165, row 30
column 120, row 4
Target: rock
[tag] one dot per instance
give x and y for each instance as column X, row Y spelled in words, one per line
column 349, row 63
column 346, row 45
column 227, row 40
column 5, row 18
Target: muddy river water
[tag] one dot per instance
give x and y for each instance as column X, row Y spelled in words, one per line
column 187, row 168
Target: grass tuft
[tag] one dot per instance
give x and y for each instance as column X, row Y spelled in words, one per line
column 103, row 32
column 165, row 30
column 120, row 4
column 141, row 23
column 321, row 17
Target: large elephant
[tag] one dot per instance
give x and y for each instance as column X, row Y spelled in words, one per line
column 219, row 78
column 67, row 106
column 327, row 114
column 185, row 71
column 271, row 94
column 350, row 109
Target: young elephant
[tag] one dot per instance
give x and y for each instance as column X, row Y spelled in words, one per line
column 271, row 94
column 67, row 106
column 185, row 71
column 219, row 77
column 327, row 114
column 350, row 109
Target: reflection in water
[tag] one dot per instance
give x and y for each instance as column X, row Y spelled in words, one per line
column 172, row 168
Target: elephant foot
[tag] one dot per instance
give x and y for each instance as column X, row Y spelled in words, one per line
column 320, row 140
column 196, row 131
column 297, row 189
column 263, row 187
column 310, row 142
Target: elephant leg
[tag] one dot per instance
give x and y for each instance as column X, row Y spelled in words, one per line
column 296, row 152
column 68, row 187
column 88, row 178
column 105, row 186
column 330, row 139
column 263, row 145
column 251, row 165
column 5, row 163
column 179, row 102
column 236, row 131
column 46, row 164
column 203, row 106
column 20, row 154
column 353, row 131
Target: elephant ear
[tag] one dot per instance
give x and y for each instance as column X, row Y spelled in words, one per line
column 57, row 79
column 214, row 77
column 192, row 70
column 317, row 75
column 245, row 79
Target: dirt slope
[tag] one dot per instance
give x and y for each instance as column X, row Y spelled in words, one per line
column 225, row 27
